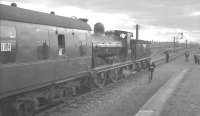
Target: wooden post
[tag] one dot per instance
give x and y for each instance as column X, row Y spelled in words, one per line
column 137, row 31
column 186, row 44
column 174, row 39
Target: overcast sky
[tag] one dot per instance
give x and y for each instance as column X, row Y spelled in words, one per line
column 159, row 19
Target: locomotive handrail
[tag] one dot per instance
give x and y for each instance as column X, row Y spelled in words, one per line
column 117, row 65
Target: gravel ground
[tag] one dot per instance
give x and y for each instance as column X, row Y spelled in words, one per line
column 185, row 101
column 156, row 53
column 123, row 98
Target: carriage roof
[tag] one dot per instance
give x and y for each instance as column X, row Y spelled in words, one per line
column 29, row 16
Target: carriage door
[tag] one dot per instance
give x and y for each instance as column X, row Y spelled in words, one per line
column 61, row 44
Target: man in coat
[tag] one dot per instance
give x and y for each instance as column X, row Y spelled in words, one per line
column 151, row 70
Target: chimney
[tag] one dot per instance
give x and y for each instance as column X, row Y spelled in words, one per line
column 14, row 4
column 84, row 20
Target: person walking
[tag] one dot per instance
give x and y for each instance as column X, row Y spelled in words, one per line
column 151, row 70
column 195, row 59
column 187, row 54
column 167, row 56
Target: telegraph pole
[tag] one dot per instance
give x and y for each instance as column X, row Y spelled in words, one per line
column 174, row 39
column 186, row 44
column 137, row 31
column 174, row 42
column 136, row 38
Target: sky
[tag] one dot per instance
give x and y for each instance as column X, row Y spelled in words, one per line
column 159, row 20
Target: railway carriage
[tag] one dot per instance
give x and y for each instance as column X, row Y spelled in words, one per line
column 38, row 49
column 45, row 58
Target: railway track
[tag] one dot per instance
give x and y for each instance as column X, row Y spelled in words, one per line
column 87, row 96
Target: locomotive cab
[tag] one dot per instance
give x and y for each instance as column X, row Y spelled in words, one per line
column 124, row 38
column 105, row 49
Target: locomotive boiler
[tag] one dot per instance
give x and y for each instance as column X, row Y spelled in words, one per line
column 45, row 58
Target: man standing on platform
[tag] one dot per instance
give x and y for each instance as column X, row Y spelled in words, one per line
column 195, row 59
column 167, row 55
column 151, row 70
column 187, row 54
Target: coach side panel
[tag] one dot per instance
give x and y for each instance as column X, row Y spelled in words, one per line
column 30, row 68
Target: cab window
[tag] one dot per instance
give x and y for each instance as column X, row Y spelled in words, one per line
column 42, row 43
column 81, row 36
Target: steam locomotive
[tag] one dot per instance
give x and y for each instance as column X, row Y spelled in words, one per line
column 45, row 57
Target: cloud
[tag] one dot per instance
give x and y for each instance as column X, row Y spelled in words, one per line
column 163, row 15
column 170, row 13
column 196, row 13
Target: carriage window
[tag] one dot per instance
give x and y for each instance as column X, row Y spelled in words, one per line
column 83, row 49
column 81, row 36
column 43, row 50
column 7, row 44
column 61, row 44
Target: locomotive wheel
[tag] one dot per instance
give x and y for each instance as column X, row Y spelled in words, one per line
column 138, row 67
column 85, row 84
column 18, row 109
column 121, row 73
column 100, row 79
column 8, row 109
column 26, row 109
column 113, row 75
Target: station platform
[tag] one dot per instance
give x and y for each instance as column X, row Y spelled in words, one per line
column 185, row 100
column 180, row 96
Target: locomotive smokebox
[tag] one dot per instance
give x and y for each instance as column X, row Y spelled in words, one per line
column 13, row 4
column 52, row 12
column 99, row 28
